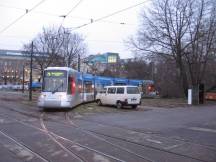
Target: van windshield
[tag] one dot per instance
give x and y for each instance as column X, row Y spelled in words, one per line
column 132, row 90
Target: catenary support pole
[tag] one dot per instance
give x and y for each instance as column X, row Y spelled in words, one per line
column 23, row 81
column 30, row 84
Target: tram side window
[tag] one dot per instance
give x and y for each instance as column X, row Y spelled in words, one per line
column 69, row 85
column 88, row 87
column 80, row 86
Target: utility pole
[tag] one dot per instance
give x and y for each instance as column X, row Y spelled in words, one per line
column 23, row 81
column 30, row 84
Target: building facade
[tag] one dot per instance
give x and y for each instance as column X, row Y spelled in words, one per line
column 13, row 65
column 100, row 62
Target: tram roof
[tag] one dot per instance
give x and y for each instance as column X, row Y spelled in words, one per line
column 60, row 68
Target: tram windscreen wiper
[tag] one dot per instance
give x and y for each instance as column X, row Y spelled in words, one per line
column 56, row 89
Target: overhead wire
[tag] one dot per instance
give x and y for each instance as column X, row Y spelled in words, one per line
column 57, row 15
column 67, row 15
column 69, row 12
column 20, row 17
column 109, row 15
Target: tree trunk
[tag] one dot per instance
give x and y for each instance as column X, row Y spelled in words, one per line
column 183, row 75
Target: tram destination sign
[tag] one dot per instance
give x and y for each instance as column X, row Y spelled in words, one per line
column 56, row 73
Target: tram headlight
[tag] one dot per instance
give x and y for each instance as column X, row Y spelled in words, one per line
column 42, row 96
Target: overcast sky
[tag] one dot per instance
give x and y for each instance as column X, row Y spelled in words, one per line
column 107, row 35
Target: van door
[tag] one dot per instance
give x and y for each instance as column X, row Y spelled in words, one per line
column 134, row 95
column 110, row 97
column 102, row 95
column 120, row 94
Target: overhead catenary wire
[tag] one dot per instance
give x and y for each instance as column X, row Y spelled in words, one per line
column 20, row 17
column 66, row 15
column 69, row 12
column 110, row 15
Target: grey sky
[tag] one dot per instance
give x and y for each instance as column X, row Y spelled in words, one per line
column 106, row 35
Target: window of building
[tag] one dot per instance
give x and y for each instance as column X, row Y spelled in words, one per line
column 112, row 59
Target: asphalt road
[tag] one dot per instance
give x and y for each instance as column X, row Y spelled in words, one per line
column 157, row 135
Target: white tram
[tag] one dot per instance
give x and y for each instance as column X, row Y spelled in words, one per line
column 64, row 87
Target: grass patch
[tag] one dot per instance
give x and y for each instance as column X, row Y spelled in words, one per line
column 165, row 102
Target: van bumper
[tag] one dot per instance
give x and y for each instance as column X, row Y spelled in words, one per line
column 125, row 103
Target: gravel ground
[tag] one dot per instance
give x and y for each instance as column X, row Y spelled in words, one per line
column 92, row 108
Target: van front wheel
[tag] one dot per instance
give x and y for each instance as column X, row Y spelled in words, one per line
column 134, row 106
column 99, row 103
column 119, row 105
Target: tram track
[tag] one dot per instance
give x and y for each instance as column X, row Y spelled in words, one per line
column 22, row 145
column 98, row 136
column 147, row 133
column 53, row 136
column 46, row 132
column 32, row 114
column 104, row 140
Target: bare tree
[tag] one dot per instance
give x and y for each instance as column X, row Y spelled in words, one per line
column 183, row 30
column 47, row 46
column 56, row 46
column 138, row 69
column 73, row 47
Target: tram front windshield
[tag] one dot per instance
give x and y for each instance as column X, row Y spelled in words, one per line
column 55, row 81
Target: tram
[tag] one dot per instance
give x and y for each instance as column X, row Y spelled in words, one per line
column 65, row 87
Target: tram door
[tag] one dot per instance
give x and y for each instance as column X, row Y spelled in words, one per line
column 80, row 89
column 88, row 91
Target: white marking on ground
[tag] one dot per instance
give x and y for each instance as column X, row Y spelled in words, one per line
column 78, row 148
column 173, row 146
column 20, row 152
column 154, row 141
column 78, row 116
column 1, row 121
column 99, row 158
column 55, row 153
column 65, row 155
column 202, row 129
column 132, row 132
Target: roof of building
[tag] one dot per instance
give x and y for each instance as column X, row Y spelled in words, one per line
column 12, row 53
column 100, row 58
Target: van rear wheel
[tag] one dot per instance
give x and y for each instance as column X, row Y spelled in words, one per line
column 99, row 103
column 134, row 106
column 119, row 105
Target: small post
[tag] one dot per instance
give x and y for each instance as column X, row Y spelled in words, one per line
column 23, row 81
column 30, row 84
column 189, row 96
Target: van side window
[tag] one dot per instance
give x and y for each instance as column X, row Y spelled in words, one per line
column 132, row 90
column 111, row 90
column 120, row 90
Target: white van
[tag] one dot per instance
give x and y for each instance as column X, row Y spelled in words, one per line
column 119, row 96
